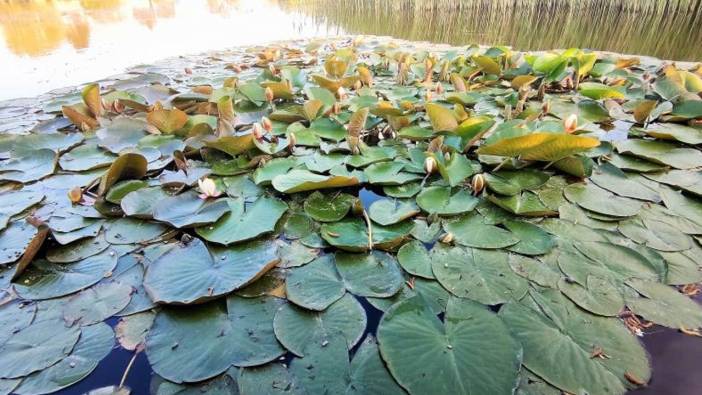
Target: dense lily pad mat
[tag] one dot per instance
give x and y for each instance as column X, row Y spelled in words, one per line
column 533, row 213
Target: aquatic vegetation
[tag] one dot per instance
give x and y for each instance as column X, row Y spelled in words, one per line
column 518, row 218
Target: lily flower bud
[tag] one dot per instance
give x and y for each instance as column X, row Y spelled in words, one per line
column 429, row 164
column 336, row 108
column 439, row 88
column 75, row 195
column 341, row 93
column 447, row 238
column 292, row 141
column 269, row 95
column 257, row 131
column 478, row 183
column 267, row 124
column 571, row 123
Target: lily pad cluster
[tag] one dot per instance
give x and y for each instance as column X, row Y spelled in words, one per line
column 516, row 220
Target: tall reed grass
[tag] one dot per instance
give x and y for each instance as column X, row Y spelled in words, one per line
column 669, row 29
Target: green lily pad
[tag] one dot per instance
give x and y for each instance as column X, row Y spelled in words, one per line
column 470, row 231
column 190, row 273
column 664, row 305
column 597, row 296
column 392, row 211
column 188, row 210
column 598, row 200
column 481, row 275
column 126, row 167
column 324, row 369
column 131, row 330
column 303, row 180
column 272, row 379
column 142, row 202
column 352, row 235
column 328, row 208
column 95, row 343
column 687, row 180
column 296, row 327
column 49, row 342
column 370, row 275
column 369, row 374
column 508, row 182
column 244, row 222
column 661, row 152
column 559, row 341
column 31, row 166
column 45, row 280
column 130, row 231
column 445, row 201
column 316, row 285
column 97, row 303
column 389, row 173
column 176, row 355
column 415, row 259
column 460, row 352
column 14, row 240
column 609, row 177
column 532, row 239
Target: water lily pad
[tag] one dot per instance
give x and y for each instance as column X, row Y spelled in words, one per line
column 142, row 202
column 316, row 285
column 188, row 210
column 45, row 280
column 328, row 208
column 296, row 327
column 244, row 222
column 415, row 259
column 14, row 240
column 509, row 182
column 303, row 180
column 392, row 211
column 559, row 336
column 460, row 352
column 481, row 275
column 352, row 235
column 190, row 273
column 389, row 173
column 532, row 239
column 661, row 152
column 85, row 157
column 609, row 177
column 597, row 296
column 664, row 305
column 368, row 372
column 272, row 378
column 324, row 369
column 371, row 275
column 687, row 180
column 130, row 231
column 126, row 167
column 97, row 303
column 470, row 231
column 29, row 167
column 50, row 344
column 96, row 341
column 252, row 335
column 594, row 198
column 176, row 355
column 131, row 330
column 445, row 201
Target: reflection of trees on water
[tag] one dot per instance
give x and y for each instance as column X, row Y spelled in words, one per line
column 37, row 27
column 665, row 28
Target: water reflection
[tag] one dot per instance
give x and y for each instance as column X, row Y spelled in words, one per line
column 46, row 44
column 669, row 29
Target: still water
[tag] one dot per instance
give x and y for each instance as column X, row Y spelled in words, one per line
column 48, row 44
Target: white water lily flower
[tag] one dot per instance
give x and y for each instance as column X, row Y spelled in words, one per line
column 571, row 123
column 208, row 188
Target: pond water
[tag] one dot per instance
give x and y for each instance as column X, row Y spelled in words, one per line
column 51, row 44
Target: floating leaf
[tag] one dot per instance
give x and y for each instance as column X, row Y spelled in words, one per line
column 244, row 222
column 443, row 201
column 302, row 180
column 460, row 352
column 190, row 273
